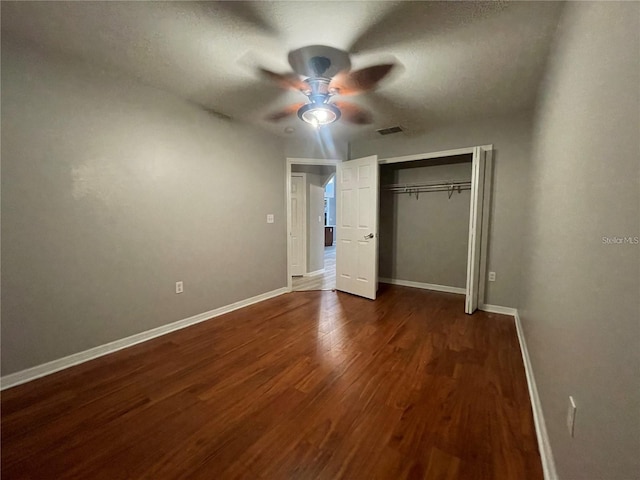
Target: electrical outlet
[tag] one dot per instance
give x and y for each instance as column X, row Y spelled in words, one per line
column 270, row 218
column 492, row 276
column 571, row 416
column 179, row 287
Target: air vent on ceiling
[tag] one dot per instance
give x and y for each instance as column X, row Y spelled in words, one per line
column 390, row 130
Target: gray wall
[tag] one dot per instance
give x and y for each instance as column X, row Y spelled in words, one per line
column 580, row 307
column 424, row 239
column 318, row 145
column 510, row 137
column 112, row 192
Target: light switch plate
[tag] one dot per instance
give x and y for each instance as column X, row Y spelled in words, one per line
column 270, row 218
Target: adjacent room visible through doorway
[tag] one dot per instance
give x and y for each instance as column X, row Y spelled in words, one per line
column 312, row 214
column 326, row 280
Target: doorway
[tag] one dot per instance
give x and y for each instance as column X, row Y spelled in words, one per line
column 313, row 180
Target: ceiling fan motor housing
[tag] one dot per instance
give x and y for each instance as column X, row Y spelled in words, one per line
column 319, row 65
column 319, row 60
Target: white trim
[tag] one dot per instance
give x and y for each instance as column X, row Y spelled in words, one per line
column 498, row 309
column 312, row 161
column 546, row 455
column 424, row 286
column 48, row 368
column 475, row 231
column 287, row 201
column 430, row 155
column 314, row 273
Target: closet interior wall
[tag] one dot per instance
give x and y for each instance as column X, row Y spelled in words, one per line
column 425, row 239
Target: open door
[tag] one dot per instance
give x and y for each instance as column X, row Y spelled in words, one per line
column 357, row 227
column 475, row 229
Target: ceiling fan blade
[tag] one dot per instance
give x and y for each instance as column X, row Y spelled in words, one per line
column 352, row 83
column 284, row 113
column 288, row 80
column 424, row 20
column 353, row 113
column 249, row 14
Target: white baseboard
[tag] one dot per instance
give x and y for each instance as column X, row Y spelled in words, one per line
column 425, row 286
column 48, row 368
column 314, row 273
column 498, row 309
column 546, row 455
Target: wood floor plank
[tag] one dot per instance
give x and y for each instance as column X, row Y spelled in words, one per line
column 306, row 385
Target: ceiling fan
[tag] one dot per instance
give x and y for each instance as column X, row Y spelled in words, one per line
column 319, row 73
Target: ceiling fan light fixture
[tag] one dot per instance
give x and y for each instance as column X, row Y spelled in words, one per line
column 318, row 114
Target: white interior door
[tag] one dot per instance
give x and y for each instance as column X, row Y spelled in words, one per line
column 357, row 227
column 475, row 229
column 298, row 254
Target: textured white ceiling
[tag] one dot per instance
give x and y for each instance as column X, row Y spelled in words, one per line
column 459, row 59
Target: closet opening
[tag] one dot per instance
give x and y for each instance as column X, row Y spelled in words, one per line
column 434, row 218
column 424, row 223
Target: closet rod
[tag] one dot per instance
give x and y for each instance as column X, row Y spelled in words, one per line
column 417, row 188
column 406, row 187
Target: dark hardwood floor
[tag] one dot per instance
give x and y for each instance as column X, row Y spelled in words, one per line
column 306, row 385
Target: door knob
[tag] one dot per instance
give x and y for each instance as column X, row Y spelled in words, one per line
column 367, row 237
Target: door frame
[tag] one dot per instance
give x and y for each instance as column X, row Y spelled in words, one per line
column 484, row 208
column 290, row 162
